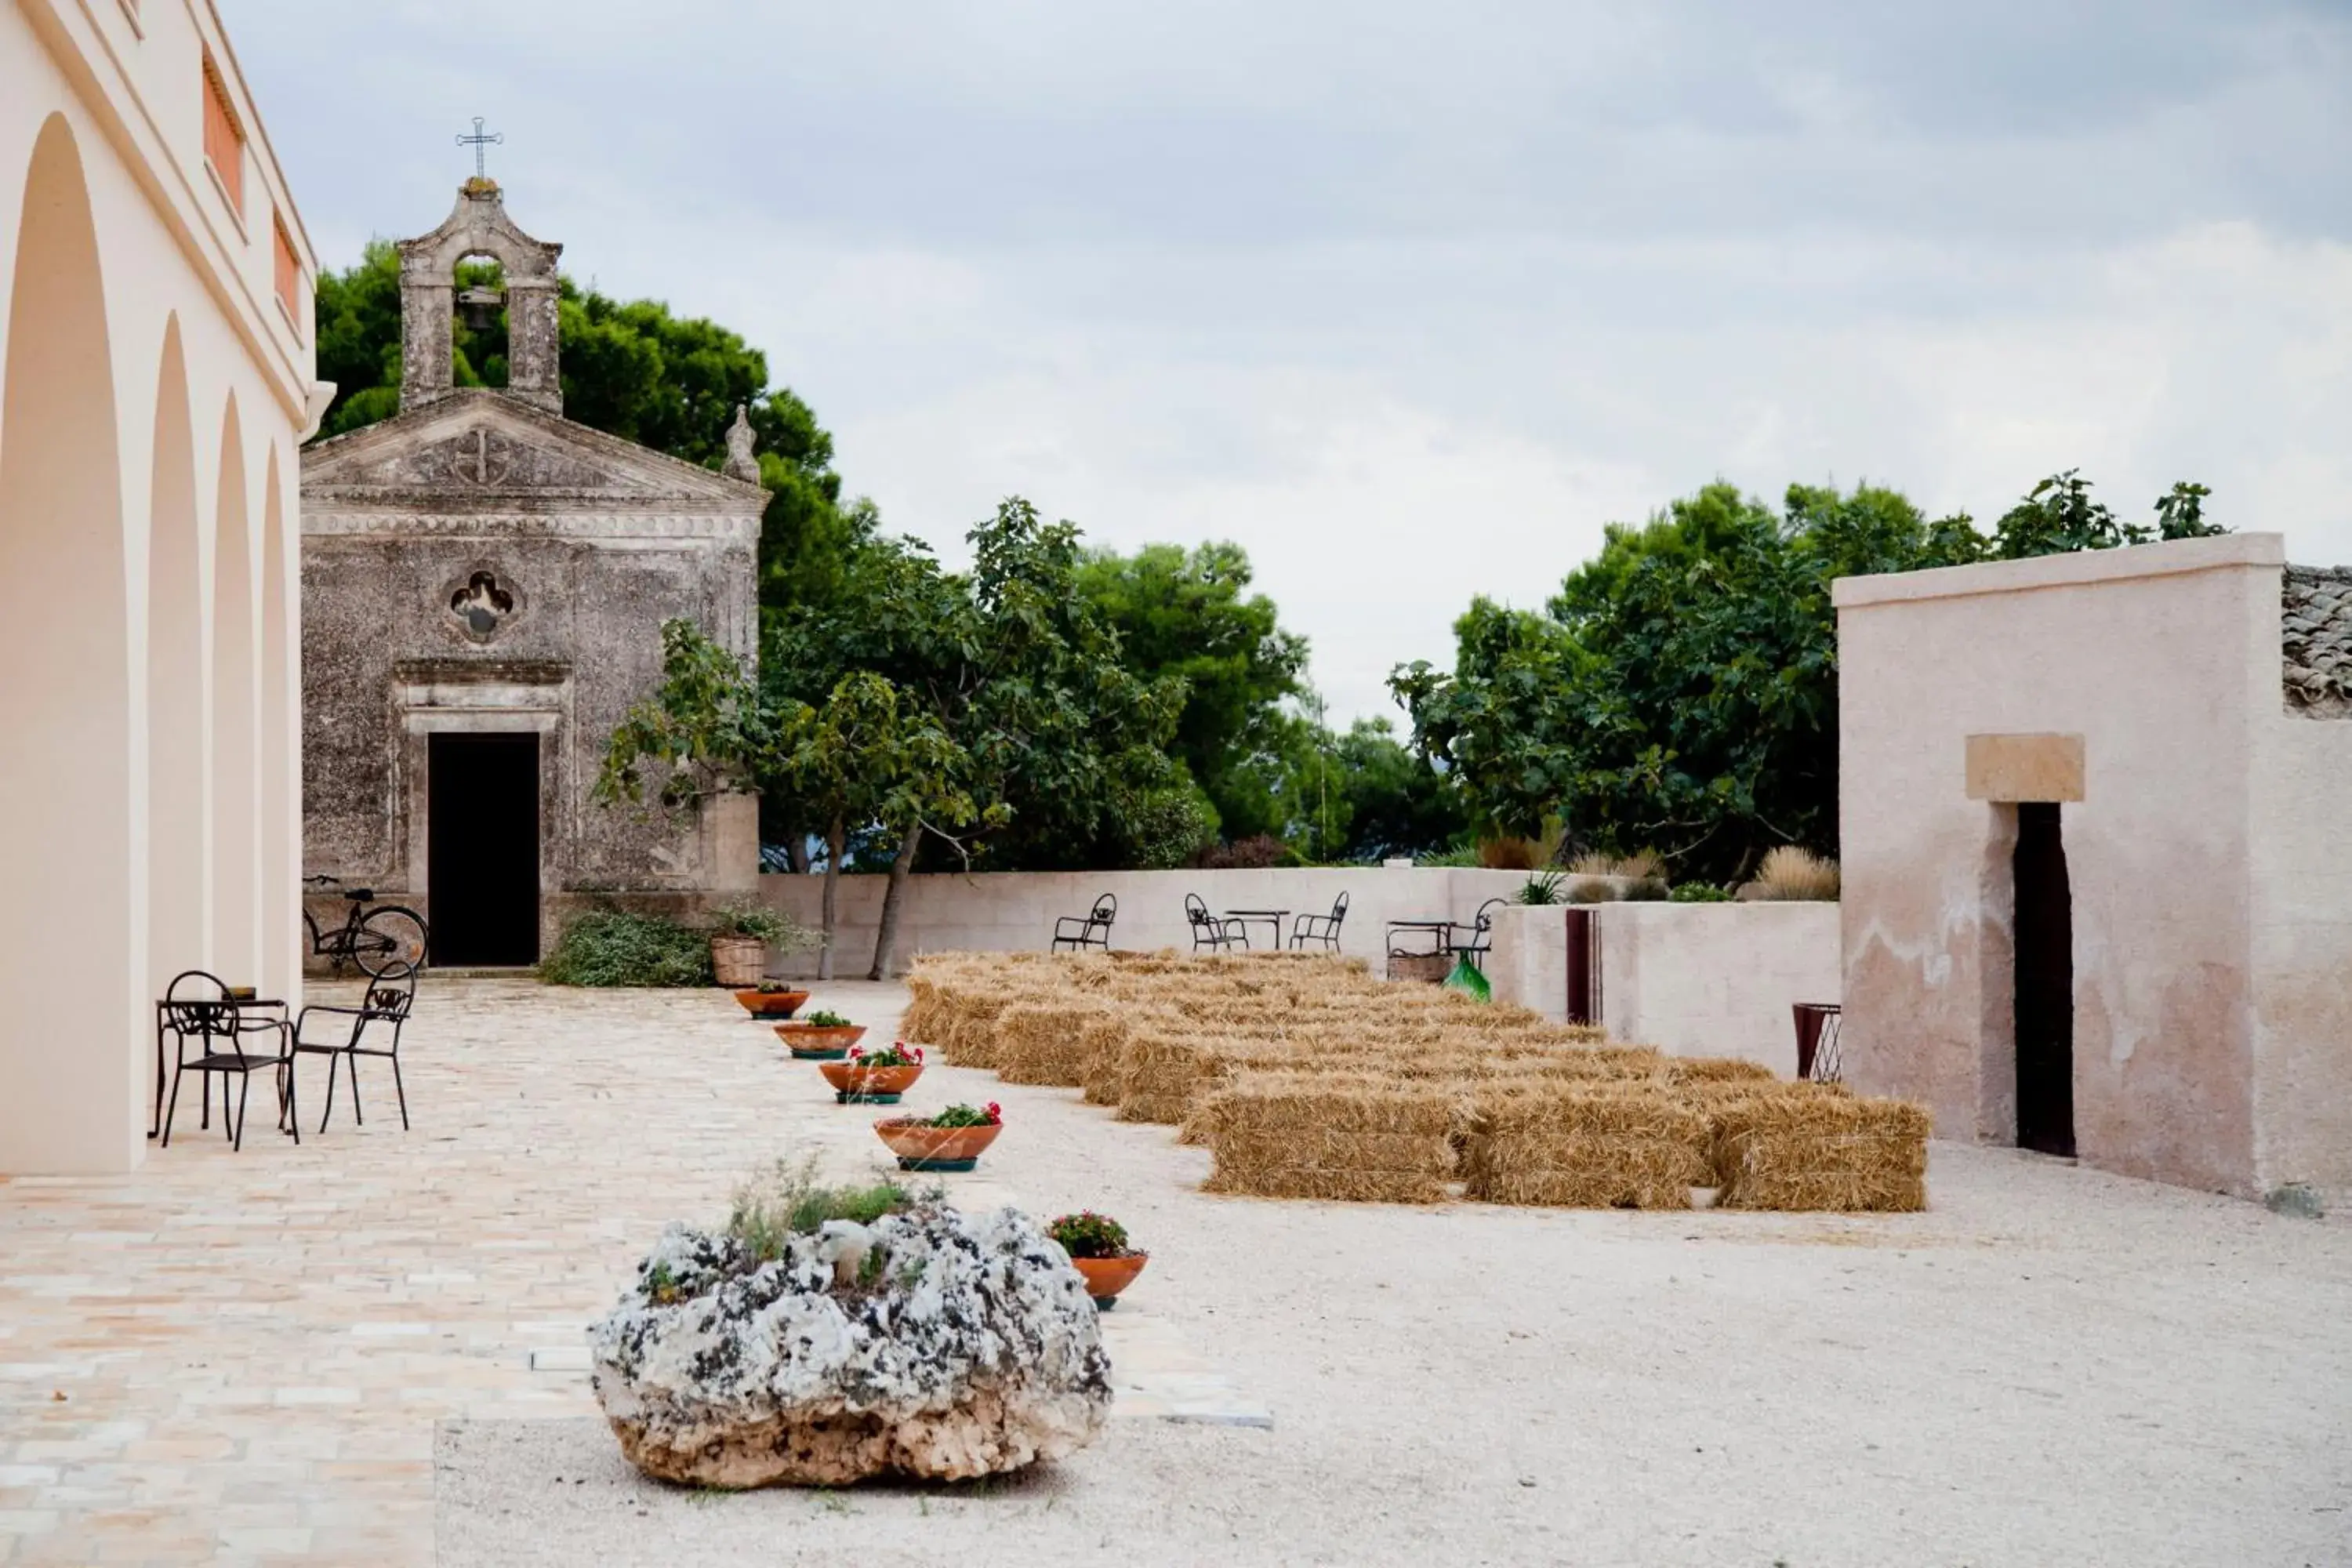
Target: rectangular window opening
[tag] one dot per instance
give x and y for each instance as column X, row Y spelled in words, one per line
column 223, row 138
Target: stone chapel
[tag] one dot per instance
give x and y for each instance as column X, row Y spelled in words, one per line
column 484, row 583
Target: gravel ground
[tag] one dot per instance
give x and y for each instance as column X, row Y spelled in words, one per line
column 2051, row 1366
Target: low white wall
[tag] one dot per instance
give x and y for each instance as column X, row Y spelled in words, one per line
column 1014, row 912
column 1711, row 980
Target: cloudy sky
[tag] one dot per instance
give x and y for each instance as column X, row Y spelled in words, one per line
column 1411, row 299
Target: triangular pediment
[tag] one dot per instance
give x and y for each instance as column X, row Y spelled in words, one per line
column 476, row 449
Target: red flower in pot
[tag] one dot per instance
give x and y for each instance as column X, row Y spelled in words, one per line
column 822, row 1037
column 951, row 1140
column 874, row 1077
column 1099, row 1250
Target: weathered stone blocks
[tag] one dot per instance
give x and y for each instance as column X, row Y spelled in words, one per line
column 937, row 1344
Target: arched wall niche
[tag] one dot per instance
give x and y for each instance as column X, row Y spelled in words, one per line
column 69, row 1095
column 280, row 819
column 176, row 775
column 236, row 844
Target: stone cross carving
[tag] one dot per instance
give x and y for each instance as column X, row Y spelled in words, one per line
column 477, row 141
column 742, row 463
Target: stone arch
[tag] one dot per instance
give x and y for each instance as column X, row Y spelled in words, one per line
column 479, row 225
column 176, row 784
column 281, row 818
column 235, row 880
column 68, row 945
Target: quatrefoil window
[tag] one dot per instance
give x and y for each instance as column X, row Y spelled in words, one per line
column 483, row 603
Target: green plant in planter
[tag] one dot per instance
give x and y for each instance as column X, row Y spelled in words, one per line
column 1090, row 1235
column 1543, row 888
column 778, row 930
column 823, row 1019
column 990, row 1115
column 1698, row 893
column 776, row 987
column 786, row 1199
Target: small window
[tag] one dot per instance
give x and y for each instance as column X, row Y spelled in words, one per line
column 224, row 138
column 288, row 272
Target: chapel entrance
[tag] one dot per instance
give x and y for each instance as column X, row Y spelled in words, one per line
column 482, row 854
column 2045, row 983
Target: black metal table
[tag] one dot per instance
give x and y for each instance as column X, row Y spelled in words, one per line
column 236, row 1004
column 1443, row 931
column 1271, row 917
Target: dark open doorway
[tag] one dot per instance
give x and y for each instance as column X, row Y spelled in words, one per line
column 2045, row 983
column 482, row 860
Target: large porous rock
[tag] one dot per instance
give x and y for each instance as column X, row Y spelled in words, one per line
column 936, row 1344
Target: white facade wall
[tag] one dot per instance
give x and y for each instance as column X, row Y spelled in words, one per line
column 2211, row 875
column 153, row 391
column 1014, row 912
column 1694, row 979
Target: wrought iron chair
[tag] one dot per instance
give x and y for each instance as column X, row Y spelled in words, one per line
column 1324, row 928
column 1210, row 932
column 197, row 1008
column 390, row 996
column 1073, row 932
column 1481, row 934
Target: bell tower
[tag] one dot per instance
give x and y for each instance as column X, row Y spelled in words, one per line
column 479, row 225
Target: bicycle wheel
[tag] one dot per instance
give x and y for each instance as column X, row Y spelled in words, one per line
column 389, row 935
column 311, row 929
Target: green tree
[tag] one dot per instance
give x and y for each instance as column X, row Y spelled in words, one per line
column 1680, row 692
column 1189, row 614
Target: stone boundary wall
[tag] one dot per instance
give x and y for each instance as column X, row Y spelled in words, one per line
column 1715, row 980
column 1014, row 912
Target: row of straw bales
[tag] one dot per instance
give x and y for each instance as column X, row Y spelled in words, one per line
column 1305, row 1076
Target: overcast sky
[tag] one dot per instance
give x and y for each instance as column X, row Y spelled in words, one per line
column 1411, row 299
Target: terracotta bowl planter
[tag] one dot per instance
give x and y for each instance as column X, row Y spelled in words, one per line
column 771, row 1004
column 921, row 1148
column 811, row 1044
column 1107, row 1277
column 854, row 1083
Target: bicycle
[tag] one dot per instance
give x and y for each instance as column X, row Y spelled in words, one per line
column 375, row 940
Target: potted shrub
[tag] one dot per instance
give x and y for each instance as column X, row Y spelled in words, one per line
column 1097, row 1246
column 822, row 1037
column 771, row 999
column 874, row 1077
column 741, row 935
column 951, row 1140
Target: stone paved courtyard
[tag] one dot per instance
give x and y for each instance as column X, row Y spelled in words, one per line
column 248, row 1357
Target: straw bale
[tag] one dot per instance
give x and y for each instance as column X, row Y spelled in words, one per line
column 1043, row 1041
column 1317, row 1136
column 1807, row 1149
column 969, row 1039
column 1102, row 1037
column 1589, row 1145
column 1719, row 1069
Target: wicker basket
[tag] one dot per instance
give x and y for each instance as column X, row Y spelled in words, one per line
column 738, row 959
column 1429, row 966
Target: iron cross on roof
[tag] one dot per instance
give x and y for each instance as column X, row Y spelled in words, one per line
column 479, row 140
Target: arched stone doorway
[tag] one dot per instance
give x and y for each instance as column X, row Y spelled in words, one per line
column 175, row 684
column 70, row 1096
column 236, row 954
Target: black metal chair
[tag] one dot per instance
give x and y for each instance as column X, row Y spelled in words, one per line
column 1324, row 928
column 1210, row 932
column 1072, row 932
column 390, row 996
column 1481, row 930
column 198, row 1009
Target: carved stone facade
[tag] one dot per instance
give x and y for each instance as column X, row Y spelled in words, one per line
column 478, row 565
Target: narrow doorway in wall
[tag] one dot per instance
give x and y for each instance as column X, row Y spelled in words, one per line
column 482, row 850
column 2045, row 983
